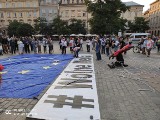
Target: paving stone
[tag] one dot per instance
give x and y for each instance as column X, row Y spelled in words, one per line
column 118, row 90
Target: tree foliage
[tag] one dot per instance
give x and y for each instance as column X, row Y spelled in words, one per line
column 20, row 29
column 77, row 26
column 106, row 16
column 25, row 29
column 40, row 25
column 59, row 26
column 12, row 28
column 139, row 25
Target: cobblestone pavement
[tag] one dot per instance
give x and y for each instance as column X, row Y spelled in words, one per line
column 131, row 93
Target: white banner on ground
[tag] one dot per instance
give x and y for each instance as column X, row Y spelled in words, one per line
column 73, row 96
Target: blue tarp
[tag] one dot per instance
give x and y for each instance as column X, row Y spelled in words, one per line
column 40, row 72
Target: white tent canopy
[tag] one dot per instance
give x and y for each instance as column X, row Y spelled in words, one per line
column 38, row 35
column 88, row 35
column 55, row 35
column 80, row 35
column 73, row 35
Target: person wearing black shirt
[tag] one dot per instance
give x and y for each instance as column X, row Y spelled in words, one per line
column 13, row 45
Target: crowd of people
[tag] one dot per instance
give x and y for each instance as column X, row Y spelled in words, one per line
column 25, row 45
column 101, row 44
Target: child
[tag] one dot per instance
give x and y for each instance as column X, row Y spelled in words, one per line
column 1, row 49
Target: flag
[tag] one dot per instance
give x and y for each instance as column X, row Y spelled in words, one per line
column 26, row 76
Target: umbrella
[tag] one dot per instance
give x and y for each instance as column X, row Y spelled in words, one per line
column 88, row 35
column 39, row 35
column 55, row 35
column 95, row 35
column 73, row 35
column 80, row 35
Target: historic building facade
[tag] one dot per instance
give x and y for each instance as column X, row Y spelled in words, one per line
column 21, row 10
column 74, row 9
column 153, row 15
column 49, row 9
column 136, row 10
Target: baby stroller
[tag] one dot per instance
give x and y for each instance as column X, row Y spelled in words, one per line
column 119, row 62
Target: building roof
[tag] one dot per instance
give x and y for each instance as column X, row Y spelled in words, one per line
column 131, row 3
column 154, row 2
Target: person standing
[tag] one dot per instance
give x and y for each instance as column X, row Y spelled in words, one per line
column 20, row 46
column 149, row 46
column 39, row 45
column 64, row 46
column 77, row 49
column 81, row 43
column 93, row 43
column 50, row 44
column 26, row 45
column 107, row 47
column 98, row 48
column 88, row 43
column 158, row 45
column 103, row 43
column 45, row 42
column 13, row 45
column 71, row 44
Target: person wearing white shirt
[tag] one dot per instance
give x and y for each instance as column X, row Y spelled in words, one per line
column 20, row 46
column 71, row 44
column 149, row 46
column 64, row 46
column 45, row 42
column 88, row 44
column 81, row 44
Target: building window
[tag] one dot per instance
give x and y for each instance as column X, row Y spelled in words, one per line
column 62, row 14
column 78, row 13
column 1, row 15
column 66, row 13
column 19, row 4
column 27, row 4
column 0, row 5
column 14, row 15
column 72, row 1
column 55, row 11
column 48, row 1
column 8, row 14
column 35, row 14
column 84, row 14
column 50, row 11
column 13, row 5
column 72, row 13
column 43, row 11
column 20, row 14
column 7, row 5
column 34, row 4
column 28, row 14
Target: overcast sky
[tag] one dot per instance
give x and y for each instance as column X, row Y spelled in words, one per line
column 146, row 3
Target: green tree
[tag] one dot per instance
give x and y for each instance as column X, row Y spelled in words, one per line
column 12, row 28
column 139, row 25
column 60, row 27
column 77, row 26
column 25, row 29
column 40, row 25
column 106, row 15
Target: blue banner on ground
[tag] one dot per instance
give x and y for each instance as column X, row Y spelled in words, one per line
column 26, row 76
